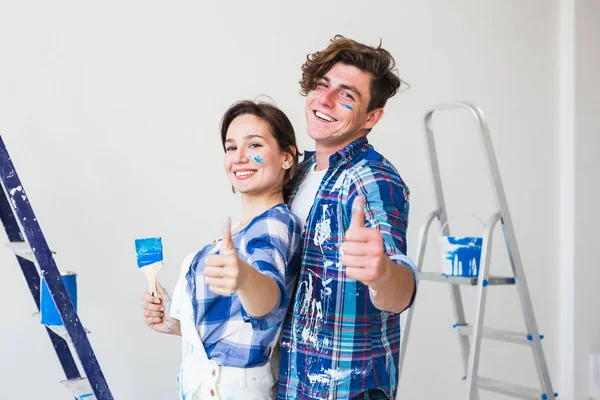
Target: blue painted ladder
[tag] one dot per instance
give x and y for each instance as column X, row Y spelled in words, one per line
column 23, row 229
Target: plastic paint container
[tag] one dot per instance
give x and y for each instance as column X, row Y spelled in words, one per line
column 49, row 312
column 461, row 255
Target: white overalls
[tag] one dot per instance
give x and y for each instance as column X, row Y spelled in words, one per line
column 202, row 379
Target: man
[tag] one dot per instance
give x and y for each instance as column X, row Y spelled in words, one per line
column 341, row 339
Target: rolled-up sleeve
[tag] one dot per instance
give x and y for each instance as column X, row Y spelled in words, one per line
column 270, row 251
column 386, row 209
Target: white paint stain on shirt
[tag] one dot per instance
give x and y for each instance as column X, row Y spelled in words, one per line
column 323, row 228
column 331, row 377
column 339, row 183
column 314, row 310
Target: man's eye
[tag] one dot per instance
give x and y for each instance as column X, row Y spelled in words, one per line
column 322, row 84
column 348, row 96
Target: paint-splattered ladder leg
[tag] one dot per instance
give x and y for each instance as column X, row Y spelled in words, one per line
column 21, row 226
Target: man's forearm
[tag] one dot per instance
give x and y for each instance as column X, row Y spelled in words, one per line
column 394, row 291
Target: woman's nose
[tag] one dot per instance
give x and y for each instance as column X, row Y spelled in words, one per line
column 240, row 156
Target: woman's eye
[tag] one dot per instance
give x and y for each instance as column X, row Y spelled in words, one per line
column 254, row 145
column 230, row 148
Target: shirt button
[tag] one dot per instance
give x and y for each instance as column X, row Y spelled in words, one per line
column 214, row 372
column 212, row 392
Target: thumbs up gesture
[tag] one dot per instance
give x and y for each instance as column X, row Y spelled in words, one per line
column 362, row 250
column 224, row 272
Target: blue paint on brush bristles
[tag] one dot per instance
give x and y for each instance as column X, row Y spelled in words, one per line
column 258, row 159
column 149, row 251
column 348, row 107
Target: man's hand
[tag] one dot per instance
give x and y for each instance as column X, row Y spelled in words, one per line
column 362, row 250
column 224, row 273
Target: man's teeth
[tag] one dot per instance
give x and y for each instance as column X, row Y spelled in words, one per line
column 244, row 173
column 324, row 116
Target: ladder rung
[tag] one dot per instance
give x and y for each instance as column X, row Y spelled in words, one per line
column 498, row 334
column 22, row 249
column 509, row 389
column 80, row 388
column 460, row 280
column 61, row 331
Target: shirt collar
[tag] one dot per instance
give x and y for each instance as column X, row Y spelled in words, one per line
column 340, row 157
column 347, row 153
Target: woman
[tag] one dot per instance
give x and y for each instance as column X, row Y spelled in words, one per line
column 231, row 297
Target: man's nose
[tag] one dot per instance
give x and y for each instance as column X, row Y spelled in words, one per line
column 327, row 98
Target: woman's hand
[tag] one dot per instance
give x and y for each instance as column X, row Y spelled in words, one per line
column 156, row 312
column 224, row 273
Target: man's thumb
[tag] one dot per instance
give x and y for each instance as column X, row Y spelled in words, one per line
column 358, row 213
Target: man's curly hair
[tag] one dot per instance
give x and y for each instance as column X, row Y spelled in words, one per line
column 376, row 61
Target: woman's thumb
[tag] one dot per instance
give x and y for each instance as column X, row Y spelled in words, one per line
column 162, row 292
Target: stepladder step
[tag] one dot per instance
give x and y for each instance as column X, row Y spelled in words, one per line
column 61, row 331
column 23, row 249
column 80, row 388
column 499, row 335
column 465, row 280
column 512, row 389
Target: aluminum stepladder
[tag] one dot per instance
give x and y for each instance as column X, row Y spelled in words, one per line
column 29, row 244
column 470, row 336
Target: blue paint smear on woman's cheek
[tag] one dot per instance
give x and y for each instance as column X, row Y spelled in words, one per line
column 258, row 159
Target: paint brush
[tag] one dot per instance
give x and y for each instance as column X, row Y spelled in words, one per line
column 149, row 259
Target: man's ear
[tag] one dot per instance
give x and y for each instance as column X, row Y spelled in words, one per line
column 373, row 118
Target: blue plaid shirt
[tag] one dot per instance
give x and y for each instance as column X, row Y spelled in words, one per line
column 336, row 344
column 230, row 336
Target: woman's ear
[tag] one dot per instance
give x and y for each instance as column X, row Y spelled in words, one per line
column 288, row 161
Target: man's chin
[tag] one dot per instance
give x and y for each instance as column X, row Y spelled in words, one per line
column 320, row 135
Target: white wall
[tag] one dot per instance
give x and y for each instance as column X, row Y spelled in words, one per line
column 587, row 181
column 566, row 187
column 110, row 111
column 580, row 120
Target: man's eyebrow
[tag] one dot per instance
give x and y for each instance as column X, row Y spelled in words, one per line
column 344, row 86
column 351, row 88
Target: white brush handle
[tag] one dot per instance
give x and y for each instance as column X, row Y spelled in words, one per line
column 152, row 289
column 151, row 272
